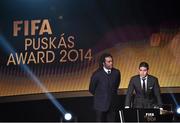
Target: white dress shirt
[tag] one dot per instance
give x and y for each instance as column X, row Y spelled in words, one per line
column 106, row 70
column 144, row 81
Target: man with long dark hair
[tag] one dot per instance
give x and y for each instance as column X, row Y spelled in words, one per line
column 104, row 85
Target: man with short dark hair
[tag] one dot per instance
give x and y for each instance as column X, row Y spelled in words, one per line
column 147, row 90
column 104, row 85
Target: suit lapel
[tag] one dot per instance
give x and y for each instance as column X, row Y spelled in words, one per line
column 149, row 82
column 107, row 77
column 139, row 83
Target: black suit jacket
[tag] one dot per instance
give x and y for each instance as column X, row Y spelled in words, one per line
column 150, row 99
column 104, row 88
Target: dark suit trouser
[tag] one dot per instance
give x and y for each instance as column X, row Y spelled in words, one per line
column 105, row 116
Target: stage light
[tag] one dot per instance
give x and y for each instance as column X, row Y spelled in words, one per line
column 67, row 116
column 178, row 110
column 7, row 47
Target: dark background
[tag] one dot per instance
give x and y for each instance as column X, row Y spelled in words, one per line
column 104, row 15
column 80, row 108
column 88, row 21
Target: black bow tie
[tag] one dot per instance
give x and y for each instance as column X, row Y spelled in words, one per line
column 109, row 72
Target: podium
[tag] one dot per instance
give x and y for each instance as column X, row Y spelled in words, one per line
column 145, row 115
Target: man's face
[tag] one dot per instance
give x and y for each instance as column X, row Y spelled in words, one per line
column 143, row 71
column 108, row 63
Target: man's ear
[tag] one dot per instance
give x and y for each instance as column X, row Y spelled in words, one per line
column 103, row 63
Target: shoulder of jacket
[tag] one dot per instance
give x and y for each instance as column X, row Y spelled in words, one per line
column 117, row 70
column 97, row 71
column 152, row 77
column 135, row 77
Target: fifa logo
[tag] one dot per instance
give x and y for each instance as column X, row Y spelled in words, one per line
column 150, row 117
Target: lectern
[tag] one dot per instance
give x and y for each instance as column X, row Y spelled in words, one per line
column 144, row 115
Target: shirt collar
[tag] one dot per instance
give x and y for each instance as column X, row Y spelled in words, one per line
column 144, row 77
column 106, row 70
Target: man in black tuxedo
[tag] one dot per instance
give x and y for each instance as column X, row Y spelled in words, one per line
column 147, row 90
column 104, row 85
